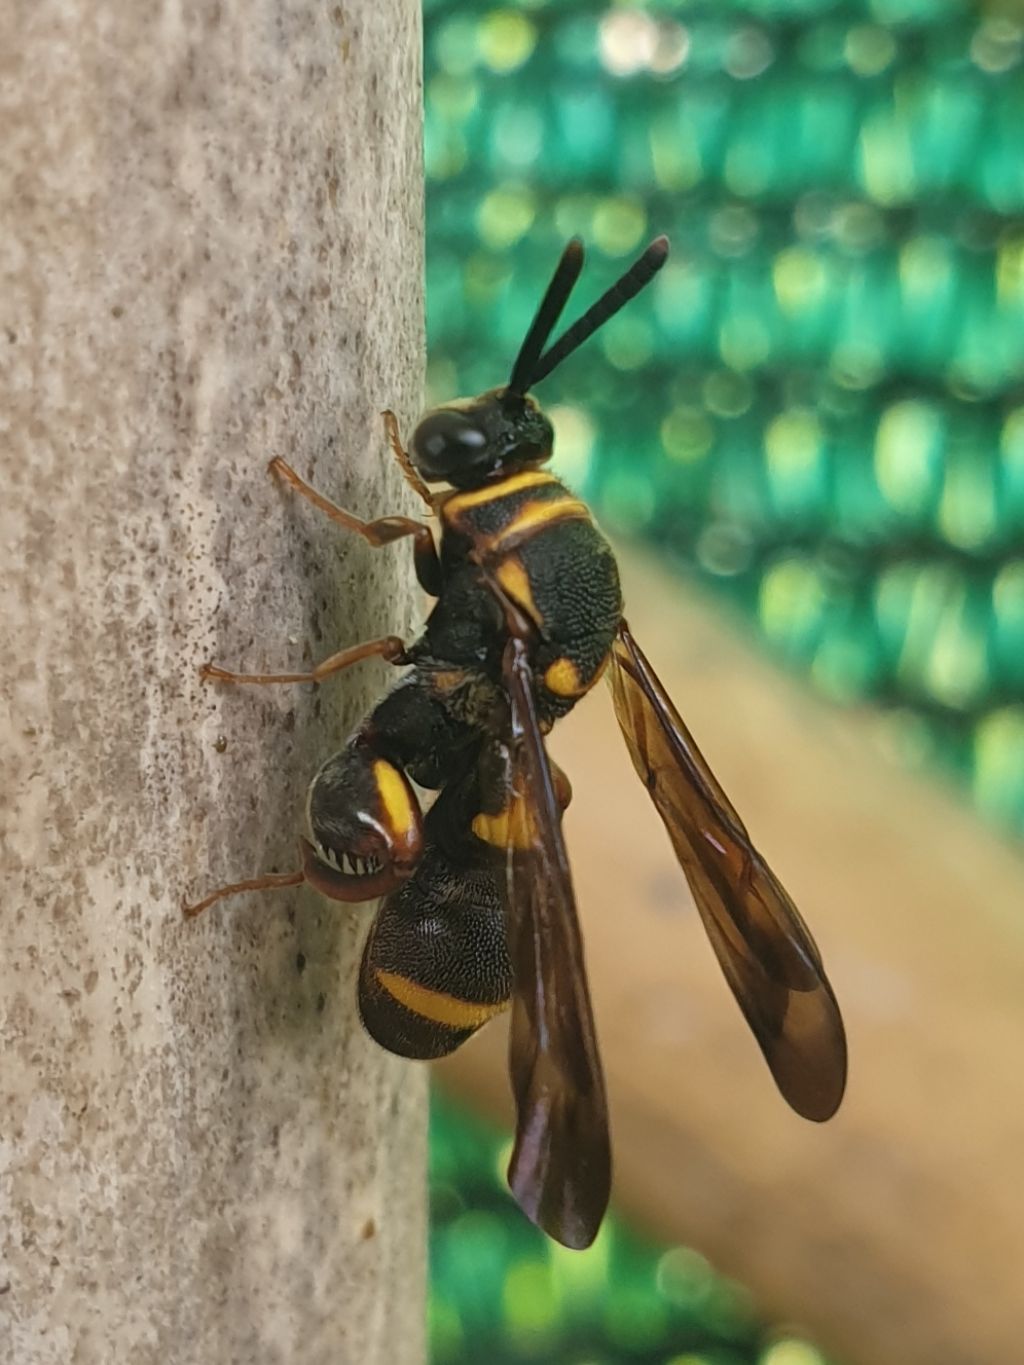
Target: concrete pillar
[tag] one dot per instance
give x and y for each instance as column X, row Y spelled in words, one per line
column 210, row 253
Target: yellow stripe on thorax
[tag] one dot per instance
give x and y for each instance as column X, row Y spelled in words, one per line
column 477, row 497
column 562, row 677
column 513, row 577
column 532, row 516
column 437, row 1006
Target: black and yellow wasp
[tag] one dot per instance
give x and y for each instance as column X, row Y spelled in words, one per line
column 478, row 910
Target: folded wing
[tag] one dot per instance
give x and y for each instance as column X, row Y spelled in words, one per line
column 560, row 1172
column 766, row 952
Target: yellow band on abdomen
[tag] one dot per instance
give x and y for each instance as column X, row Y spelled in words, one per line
column 437, row 1006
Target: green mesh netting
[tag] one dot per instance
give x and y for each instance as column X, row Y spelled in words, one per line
column 818, row 408
column 503, row 1294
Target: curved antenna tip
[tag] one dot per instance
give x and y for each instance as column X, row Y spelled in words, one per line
column 567, row 272
column 637, row 277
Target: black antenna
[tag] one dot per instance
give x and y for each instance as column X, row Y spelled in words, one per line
column 567, row 272
column 639, row 274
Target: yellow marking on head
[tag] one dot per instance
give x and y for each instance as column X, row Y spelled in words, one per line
column 533, row 515
column 395, row 796
column 513, row 577
column 515, row 483
column 437, row 1006
column 563, row 678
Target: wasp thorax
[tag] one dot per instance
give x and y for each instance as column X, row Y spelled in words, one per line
column 365, row 825
column 472, row 440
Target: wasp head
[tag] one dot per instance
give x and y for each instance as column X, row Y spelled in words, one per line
column 472, row 440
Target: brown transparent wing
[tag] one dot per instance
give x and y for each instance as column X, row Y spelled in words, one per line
column 768, row 956
column 560, row 1172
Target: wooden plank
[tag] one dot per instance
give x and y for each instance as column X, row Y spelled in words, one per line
column 895, row 1233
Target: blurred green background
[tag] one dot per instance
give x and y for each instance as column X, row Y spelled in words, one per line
column 817, row 410
column 503, row 1294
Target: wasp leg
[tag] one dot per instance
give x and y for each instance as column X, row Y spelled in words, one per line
column 405, row 463
column 271, row 881
column 383, row 531
column 365, row 824
column 390, row 648
column 376, row 533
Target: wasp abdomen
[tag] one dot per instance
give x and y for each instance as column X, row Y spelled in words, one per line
column 436, row 965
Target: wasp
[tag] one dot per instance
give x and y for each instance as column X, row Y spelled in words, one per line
column 478, row 912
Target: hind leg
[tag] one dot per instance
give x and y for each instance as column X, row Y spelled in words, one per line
column 390, row 647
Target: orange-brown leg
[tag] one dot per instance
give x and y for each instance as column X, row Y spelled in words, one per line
column 390, row 648
column 383, row 531
column 270, row 882
column 376, row 533
column 402, row 456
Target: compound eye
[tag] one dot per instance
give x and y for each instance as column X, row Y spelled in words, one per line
column 445, row 442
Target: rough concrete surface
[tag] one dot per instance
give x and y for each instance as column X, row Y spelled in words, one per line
column 210, row 254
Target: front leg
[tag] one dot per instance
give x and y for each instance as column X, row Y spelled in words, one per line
column 383, row 531
column 404, row 462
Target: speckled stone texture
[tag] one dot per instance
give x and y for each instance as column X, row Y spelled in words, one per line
column 210, row 254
